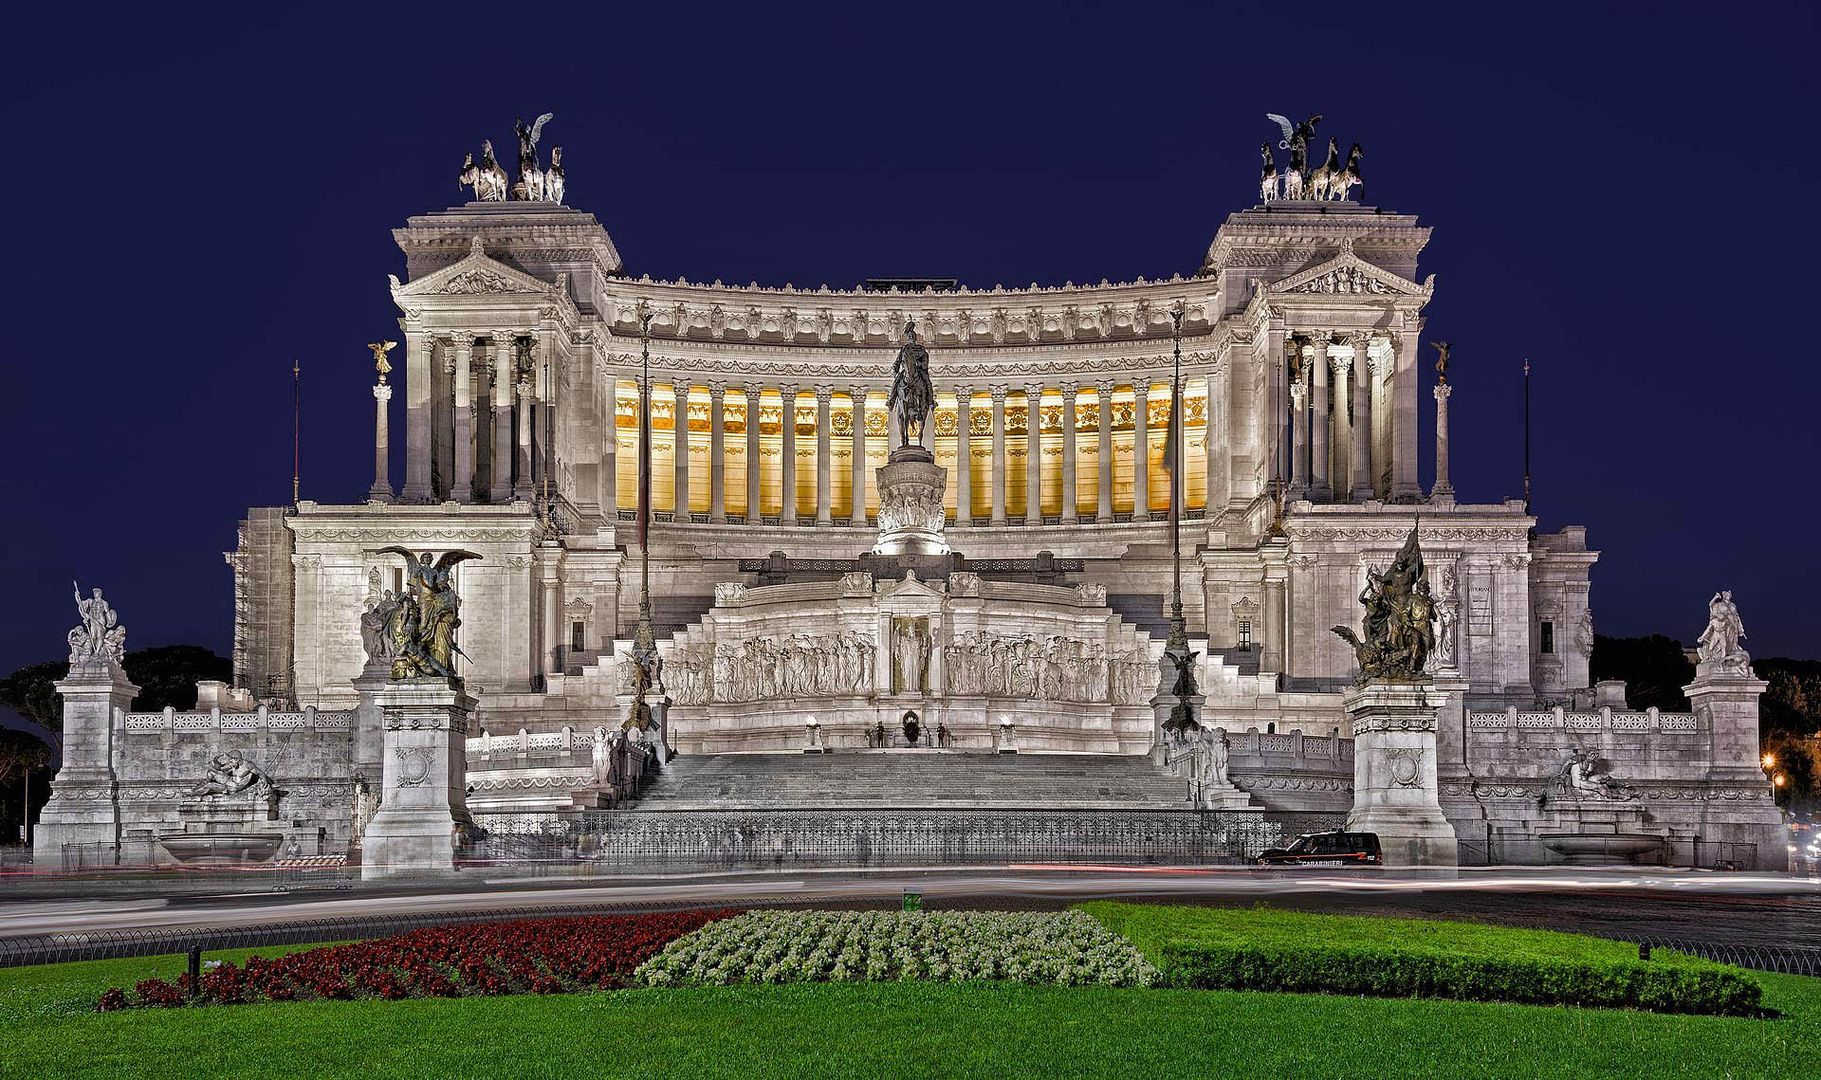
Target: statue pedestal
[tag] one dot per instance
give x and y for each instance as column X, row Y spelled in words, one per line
column 84, row 808
column 1395, row 793
column 911, row 517
column 423, row 791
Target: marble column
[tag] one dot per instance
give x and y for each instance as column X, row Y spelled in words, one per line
column 1378, row 391
column 1070, row 512
column 679, row 427
column 964, row 465
column 825, row 513
column 787, row 486
column 502, row 418
column 717, row 454
column 461, row 488
column 998, row 470
column 527, row 415
column 1273, row 658
column 1103, row 390
column 1212, row 414
column 610, row 451
column 1360, row 464
column 1340, row 365
column 418, row 349
column 1320, row 421
column 1141, row 450
column 753, row 489
column 858, row 516
column 1443, row 490
column 1033, row 455
column 1299, row 436
column 381, row 491
column 1401, row 392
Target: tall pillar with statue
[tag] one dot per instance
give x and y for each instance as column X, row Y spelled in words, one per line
column 82, row 818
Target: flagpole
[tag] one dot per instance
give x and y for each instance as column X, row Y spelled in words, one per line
column 296, row 430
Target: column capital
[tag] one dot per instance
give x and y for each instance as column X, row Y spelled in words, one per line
column 1381, row 365
column 717, row 389
column 962, row 393
column 1104, row 388
column 679, row 387
column 1442, row 391
column 383, row 391
column 998, row 391
column 1298, row 391
column 752, row 391
column 1069, row 389
column 1359, row 339
column 1340, row 364
column 1033, row 391
column 1141, row 388
column 788, row 391
column 824, row 393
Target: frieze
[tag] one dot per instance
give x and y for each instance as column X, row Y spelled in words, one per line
column 1515, row 534
column 406, row 534
column 1258, row 782
column 535, row 783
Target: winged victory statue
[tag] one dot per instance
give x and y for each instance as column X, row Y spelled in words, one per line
column 421, row 628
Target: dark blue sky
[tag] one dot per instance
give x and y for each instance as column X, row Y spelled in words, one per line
column 1625, row 195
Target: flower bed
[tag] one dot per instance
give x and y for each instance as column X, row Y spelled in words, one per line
column 524, row 956
column 1066, row 948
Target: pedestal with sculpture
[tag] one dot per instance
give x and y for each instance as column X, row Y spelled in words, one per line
column 1394, row 712
column 84, row 808
column 1724, row 696
column 911, row 484
column 425, row 715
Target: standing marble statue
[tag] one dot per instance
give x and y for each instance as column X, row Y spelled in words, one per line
column 912, row 394
column 1719, row 643
column 1399, row 624
column 98, row 638
column 422, row 627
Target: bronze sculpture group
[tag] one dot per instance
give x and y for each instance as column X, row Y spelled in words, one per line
column 535, row 184
column 1399, row 627
column 1333, row 180
column 912, row 395
column 415, row 631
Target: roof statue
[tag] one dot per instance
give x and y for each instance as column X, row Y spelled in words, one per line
column 1441, row 360
column 1334, row 180
column 421, row 628
column 1719, row 644
column 98, row 640
column 535, row 184
column 381, row 363
column 912, row 395
column 487, row 178
column 530, row 186
column 1399, row 626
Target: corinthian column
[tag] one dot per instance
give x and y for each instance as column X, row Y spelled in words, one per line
column 1033, row 454
column 824, row 508
column 680, row 442
column 1443, row 490
column 787, row 485
column 381, row 491
column 1360, row 464
column 1319, row 487
column 998, row 469
column 527, row 415
column 964, row 463
column 1141, row 450
column 502, row 418
column 717, row 454
column 461, row 488
column 858, row 515
column 418, row 349
column 753, row 490
column 1103, row 391
column 1401, row 396
column 1299, row 431
column 1069, row 511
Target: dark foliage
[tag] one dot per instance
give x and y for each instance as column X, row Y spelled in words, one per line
column 1792, row 705
column 1655, row 669
column 1373, row 972
column 166, row 676
column 31, row 692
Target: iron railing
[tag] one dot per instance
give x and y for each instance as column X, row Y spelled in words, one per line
column 876, row 837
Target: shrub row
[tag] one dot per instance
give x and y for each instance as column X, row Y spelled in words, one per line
column 537, row 956
column 1386, row 972
column 1056, row 948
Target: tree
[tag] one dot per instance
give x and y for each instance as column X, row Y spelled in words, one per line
column 166, row 676
column 24, row 761
column 1792, row 704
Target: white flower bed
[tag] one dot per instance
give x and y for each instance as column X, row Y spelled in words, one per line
column 1067, row 948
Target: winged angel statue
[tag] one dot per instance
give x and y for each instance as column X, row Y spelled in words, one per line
column 421, row 626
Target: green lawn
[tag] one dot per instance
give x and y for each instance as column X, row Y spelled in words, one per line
column 882, row 1030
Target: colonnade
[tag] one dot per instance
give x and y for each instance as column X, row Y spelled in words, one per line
column 477, row 426
column 1347, row 423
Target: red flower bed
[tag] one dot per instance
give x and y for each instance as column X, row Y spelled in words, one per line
column 524, row 956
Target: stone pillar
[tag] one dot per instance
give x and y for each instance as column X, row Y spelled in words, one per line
column 1141, row 450
column 1103, row 390
column 418, row 349
column 502, row 418
column 1070, row 513
column 381, row 491
column 461, row 488
column 423, row 787
column 679, row 429
column 1395, row 792
column 998, row 469
column 522, row 487
column 787, row 485
column 825, row 513
column 1213, row 414
column 85, row 795
column 717, row 454
column 911, row 518
column 550, row 607
column 1360, row 456
column 1443, row 490
column 1401, row 391
column 610, row 450
column 1321, row 421
column 1339, row 367
column 1299, row 438
column 753, row 489
column 858, row 516
column 1271, row 656
column 964, row 463
column 1725, row 702
column 1033, row 454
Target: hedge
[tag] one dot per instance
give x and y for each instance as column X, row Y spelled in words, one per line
column 1381, row 972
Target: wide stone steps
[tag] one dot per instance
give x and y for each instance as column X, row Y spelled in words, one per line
column 912, row 779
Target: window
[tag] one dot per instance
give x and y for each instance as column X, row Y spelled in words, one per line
column 1546, row 638
column 577, row 636
column 1245, row 633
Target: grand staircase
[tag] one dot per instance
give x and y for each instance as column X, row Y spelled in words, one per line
column 913, row 779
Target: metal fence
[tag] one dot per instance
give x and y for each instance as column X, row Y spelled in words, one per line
column 1671, row 851
column 1787, row 959
column 811, row 838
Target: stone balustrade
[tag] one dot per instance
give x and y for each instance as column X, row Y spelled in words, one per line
column 1604, row 719
column 170, row 721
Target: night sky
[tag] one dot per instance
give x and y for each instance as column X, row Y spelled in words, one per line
column 1624, row 196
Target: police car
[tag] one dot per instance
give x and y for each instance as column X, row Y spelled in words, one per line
column 1336, row 848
